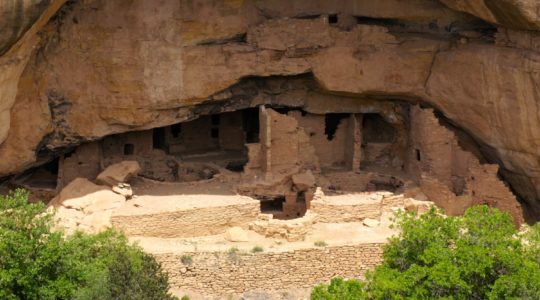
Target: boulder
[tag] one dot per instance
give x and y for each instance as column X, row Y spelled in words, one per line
column 83, row 195
column 303, row 181
column 77, row 194
column 85, row 205
column 236, row 234
column 119, row 172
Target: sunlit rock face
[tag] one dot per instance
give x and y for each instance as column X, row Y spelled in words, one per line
column 102, row 67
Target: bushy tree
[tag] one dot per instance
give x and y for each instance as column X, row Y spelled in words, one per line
column 480, row 255
column 339, row 289
column 37, row 263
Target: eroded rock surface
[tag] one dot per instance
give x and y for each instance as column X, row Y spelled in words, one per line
column 105, row 67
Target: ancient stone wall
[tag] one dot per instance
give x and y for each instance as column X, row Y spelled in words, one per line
column 284, row 144
column 84, row 162
column 220, row 273
column 130, row 143
column 450, row 176
column 329, row 150
column 346, row 208
column 231, row 133
column 187, row 221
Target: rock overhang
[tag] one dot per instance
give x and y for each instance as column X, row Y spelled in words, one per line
column 137, row 71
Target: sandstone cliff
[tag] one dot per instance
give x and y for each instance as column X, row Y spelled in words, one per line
column 78, row 71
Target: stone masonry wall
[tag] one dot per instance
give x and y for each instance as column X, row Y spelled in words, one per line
column 354, row 211
column 449, row 176
column 188, row 222
column 220, row 273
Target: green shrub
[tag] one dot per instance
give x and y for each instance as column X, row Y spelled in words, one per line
column 480, row 255
column 36, row 263
column 257, row 249
column 185, row 297
column 339, row 289
column 320, row 244
column 186, row 260
column 233, row 250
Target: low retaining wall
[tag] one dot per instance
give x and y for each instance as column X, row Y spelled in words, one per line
column 221, row 273
column 188, row 222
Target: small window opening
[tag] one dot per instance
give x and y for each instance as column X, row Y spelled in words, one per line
column 129, row 149
column 418, row 157
column 332, row 19
column 331, row 123
column 214, row 133
column 176, row 130
column 215, row 119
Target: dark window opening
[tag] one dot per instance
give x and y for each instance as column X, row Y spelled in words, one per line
column 52, row 166
column 301, row 198
column 215, row 119
column 250, row 123
column 236, row 166
column 176, row 130
column 158, row 138
column 331, row 123
column 272, row 205
column 376, row 130
column 214, row 133
column 129, row 149
column 332, row 19
column 418, row 157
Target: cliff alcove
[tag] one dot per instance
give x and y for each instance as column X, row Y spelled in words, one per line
column 185, row 122
column 267, row 131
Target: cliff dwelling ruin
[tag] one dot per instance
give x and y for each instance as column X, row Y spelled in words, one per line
column 197, row 126
column 280, row 150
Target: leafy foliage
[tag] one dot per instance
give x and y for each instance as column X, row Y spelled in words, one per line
column 480, row 255
column 37, row 263
column 339, row 289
